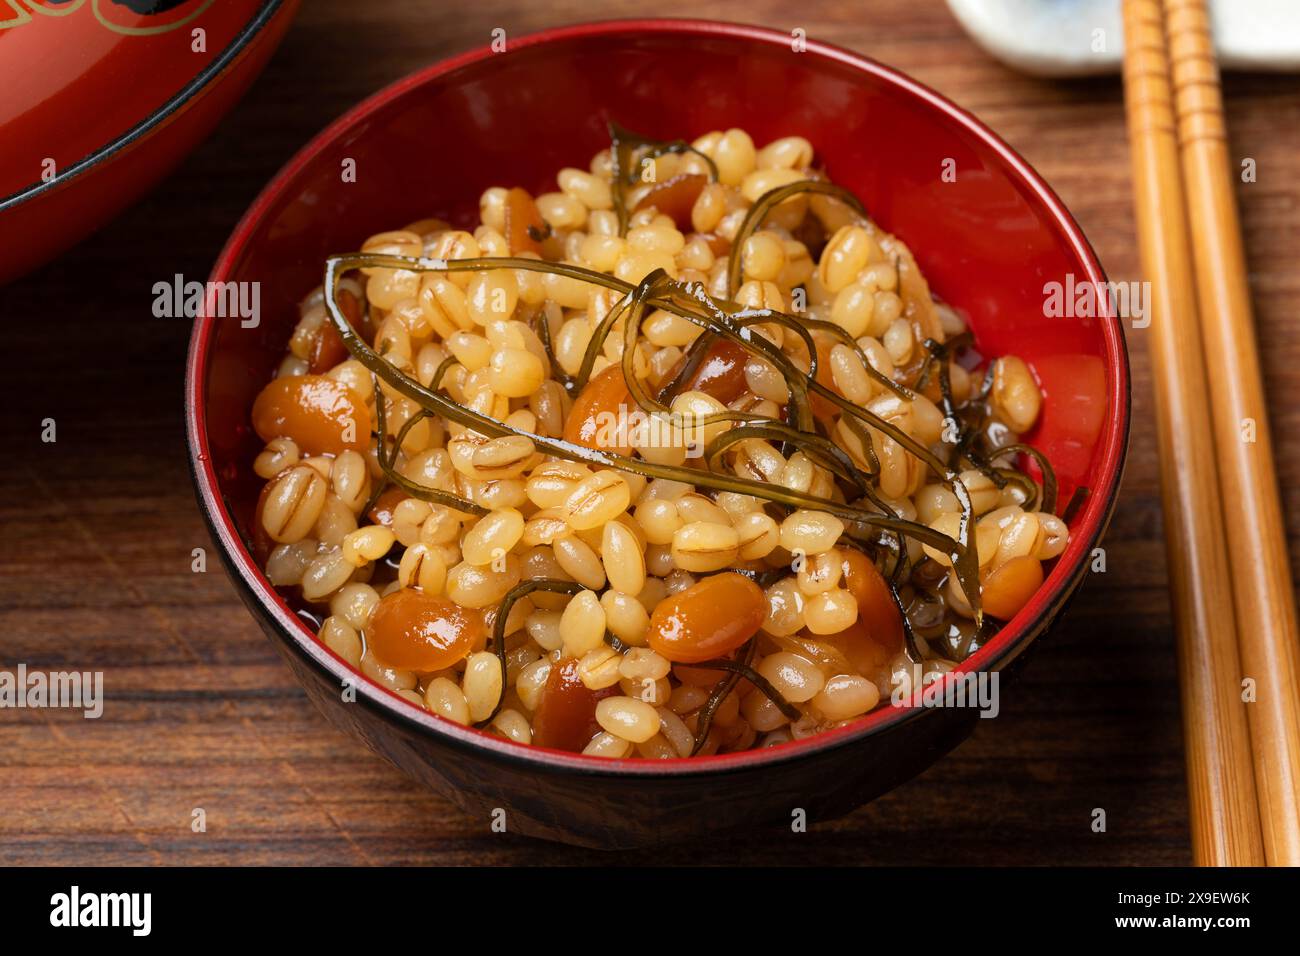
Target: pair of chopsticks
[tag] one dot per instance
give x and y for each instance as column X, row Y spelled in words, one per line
column 1234, row 607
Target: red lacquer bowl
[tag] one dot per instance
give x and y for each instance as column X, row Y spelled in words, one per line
column 430, row 144
column 99, row 99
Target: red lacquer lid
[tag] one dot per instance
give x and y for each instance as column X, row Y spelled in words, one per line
column 78, row 77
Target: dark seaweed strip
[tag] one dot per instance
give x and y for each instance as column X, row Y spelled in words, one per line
column 520, row 590
column 387, row 463
column 981, row 464
column 544, row 333
column 965, row 564
column 894, row 581
column 945, row 651
column 804, row 328
column 986, row 386
column 696, row 352
column 923, row 373
column 766, row 203
column 380, row 487
column 740, row 332
column 657, row 147
column 1049, row 473
column 631, row 332
column 764, row 579
column 737, row 327
column 1027, row 485
column 799, row 325
column 961, row 552
column 902, row 569
column 868, row 449
column 964, row 441
column 841, row 333
column 831, row 457
column 435, row 383
column 597, row 342
column 741, row 335
column 941, row 648
column 563, row 449
column 643, row 399
column 619, row 153
column 407, row 425
column 381, row 424
column 723, row 321
column 909, row 636
column 752, row 220
column 742, row 669
column 939, row 352
column 441, row 371
column 892, row 540
column 381, row 418
column 982, row 634
column 909, row 443
column 716, row 696
column 651, row 404
column 622, row 143
column 430, row 494
column 681, row 146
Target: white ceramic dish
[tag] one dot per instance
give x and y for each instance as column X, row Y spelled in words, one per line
column 1084, row 37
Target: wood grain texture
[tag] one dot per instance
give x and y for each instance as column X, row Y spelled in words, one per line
column 1220, row 773
column 98, row 527
column 1262, row 583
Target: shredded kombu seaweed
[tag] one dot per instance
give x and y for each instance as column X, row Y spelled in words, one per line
column 871, row 525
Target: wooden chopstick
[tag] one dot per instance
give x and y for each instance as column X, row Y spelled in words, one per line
column 1265, row 604
column 1220, row 776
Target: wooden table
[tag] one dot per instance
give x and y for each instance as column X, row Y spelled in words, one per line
column 98, row 527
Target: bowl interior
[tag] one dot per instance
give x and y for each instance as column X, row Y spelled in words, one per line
column 988, row 236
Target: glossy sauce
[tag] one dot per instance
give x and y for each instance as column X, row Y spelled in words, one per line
column 605, row 400
column 858, row 646
column 566, row 714
column 321, row 415
column 1010, row 587
column 675, row 197
column 422, row 632
column 381, row 512
column 877, row 611
column 824, row 407
column 327, row 348
column 708, row 620
column 521, row 216
column 721, row 373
